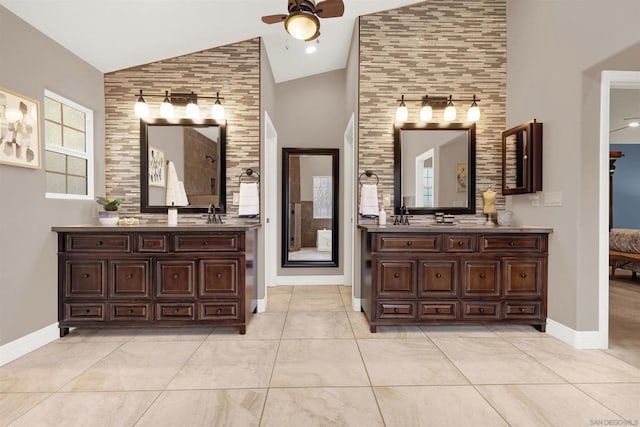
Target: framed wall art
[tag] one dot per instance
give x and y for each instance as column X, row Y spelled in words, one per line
column 19, row 130
column 157, row 168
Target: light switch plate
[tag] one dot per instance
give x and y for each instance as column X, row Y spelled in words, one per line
column 236, row 198
column 386, row 200
column 553, row 198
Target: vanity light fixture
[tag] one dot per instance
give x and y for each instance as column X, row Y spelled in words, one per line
column 171, row 100
column 429, row 103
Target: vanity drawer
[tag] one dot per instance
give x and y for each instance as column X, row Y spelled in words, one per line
column 512, row 243
column 227, row 310
column 85, row 278
column 440, row 310
column 396, row 310
column 84, row 311
column 459, row 243
column 129, row 279
column 175, row 311
column 152, row 243
column 409, row 243
column 175, row 279
column 204, row 242
column 98, row 243
column 481, row 310
column 123, row 312
column 521, row 310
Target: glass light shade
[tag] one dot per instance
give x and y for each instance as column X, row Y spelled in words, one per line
column 217, row 112
column 402, row 113
column 426, row 113
column 192, row 110
column 13, row 114
column 166, row 110
column 302, row 26
column 634, row 124
column 141, row 109
column 450, row 113
column 473, row 115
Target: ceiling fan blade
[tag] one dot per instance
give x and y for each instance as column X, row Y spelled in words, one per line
column 632, row 118
column 273, row 19
column 330, row 9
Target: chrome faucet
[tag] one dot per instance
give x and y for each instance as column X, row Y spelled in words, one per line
column 212, row 217
column 403, row 219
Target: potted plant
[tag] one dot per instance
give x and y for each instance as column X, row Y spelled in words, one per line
column 109, row 216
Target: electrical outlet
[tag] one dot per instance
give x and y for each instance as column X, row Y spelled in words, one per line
column 236, row 198
column 386, row 200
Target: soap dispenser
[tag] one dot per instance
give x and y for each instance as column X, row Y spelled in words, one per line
column 382, row 217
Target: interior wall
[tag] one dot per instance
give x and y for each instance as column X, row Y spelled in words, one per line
column 559, row 84
column 31, row 63
column 626, row 192
column 437, row 48
column 311, row 114
column 233, row 70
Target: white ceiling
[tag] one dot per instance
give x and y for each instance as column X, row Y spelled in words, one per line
column 116, row 34
column 624, row 104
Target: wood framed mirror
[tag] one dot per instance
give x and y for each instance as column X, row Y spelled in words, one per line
column 310, row 207
column 197, row 149
column 434, row 168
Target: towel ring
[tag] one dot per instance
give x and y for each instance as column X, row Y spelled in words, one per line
column 368, row 174
column 250, row 174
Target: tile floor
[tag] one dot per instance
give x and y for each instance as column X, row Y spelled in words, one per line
column 310, row 361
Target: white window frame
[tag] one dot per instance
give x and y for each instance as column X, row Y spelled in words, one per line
column 87, row 155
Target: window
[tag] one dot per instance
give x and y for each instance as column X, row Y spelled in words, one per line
column 427, row 187
column 322, row 197
column 68, row 138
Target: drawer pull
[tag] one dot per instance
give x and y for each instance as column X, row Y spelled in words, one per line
column 87, row 311
column 409, row 243
column 460, row 243
column 205, row 243
column 397, row 275
column 151, row 243
column 482, row 275
column 523, row 275
column 86, row 275
column 175, row 276
column 512, row 243
column 130, row 311
column 129, row 276
column 219, row 311
column 521, row 309
column 481, row 309
column 176, row 310
column 438, row 275
column 437, row 310
column 396, row 310
column 99, row 243
column 219, row 275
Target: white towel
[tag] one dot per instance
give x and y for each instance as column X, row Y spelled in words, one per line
column 249, row 199
column 369, row 200
column 176, row 195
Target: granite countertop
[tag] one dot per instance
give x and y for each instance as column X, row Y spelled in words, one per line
column 452, row 228
column 157, row 227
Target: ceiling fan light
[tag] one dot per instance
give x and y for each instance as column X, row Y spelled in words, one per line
column 302, row 25
column 634, row 124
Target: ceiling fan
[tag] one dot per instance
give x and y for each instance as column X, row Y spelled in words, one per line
column 302, row 21
column 634, row 123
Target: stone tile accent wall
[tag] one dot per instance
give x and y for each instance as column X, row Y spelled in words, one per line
column 232, row 70
column 438, row 47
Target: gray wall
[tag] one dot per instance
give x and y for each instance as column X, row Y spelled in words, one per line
column 554, row 65
column 311, row 114
column 32, row 63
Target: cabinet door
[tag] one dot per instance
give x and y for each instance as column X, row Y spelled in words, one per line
column 480, row 278
column 437, row 278
column 175, row 279
column 396, row 278
column 129, row 279
column 85, row 278
column 219, row 277
column 523, row 278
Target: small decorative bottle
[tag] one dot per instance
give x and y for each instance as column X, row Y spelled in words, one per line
column 382, row 217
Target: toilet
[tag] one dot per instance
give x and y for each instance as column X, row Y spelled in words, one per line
column 323, row 240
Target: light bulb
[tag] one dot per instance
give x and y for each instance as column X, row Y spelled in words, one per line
column 426, row 113
column 402, row 113
column 302, row 25
column 192, row 110
column 217, row 110
column 166, row 108
column 634, row 124
column 141, row 109
column 473, row 115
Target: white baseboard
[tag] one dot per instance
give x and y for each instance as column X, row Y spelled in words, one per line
column 576, row 339
column 356, row 304
column 26, row 344
column 262, row 305
column 310, row 280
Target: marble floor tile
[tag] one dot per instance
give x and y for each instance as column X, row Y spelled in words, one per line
column 262, row 326
column 278, row 303
column 623, row 399
column 77, row 335
column 317, row 324
column 545, row 405
column 436, row 406
column 136, row 366
column 462, row 331
column 14, row 405
column 345, row 290
column 89, row 409
column 577, row 366
column 319, row 363
column 228, row 364
column 279, row 290
column 224, row 408
column 316, row 302
column 52, row 366
column 173, row 334
column 407, row 362
column 507, row 331
column 624, row 322
column 361, row 330
column 494, row 361
column 316, row 290
column 347, row 301
column 344, row 406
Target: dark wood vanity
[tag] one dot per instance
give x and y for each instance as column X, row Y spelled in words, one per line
column 420, row 275
column 156, row 276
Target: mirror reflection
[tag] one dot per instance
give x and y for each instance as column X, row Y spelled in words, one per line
column 310, row 207
column 434, row 168
column 182, row 162
column 515, row 160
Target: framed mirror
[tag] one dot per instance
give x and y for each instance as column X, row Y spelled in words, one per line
column 522, row 159
column 196, row 150
column 434, row 168
column 309, row 207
